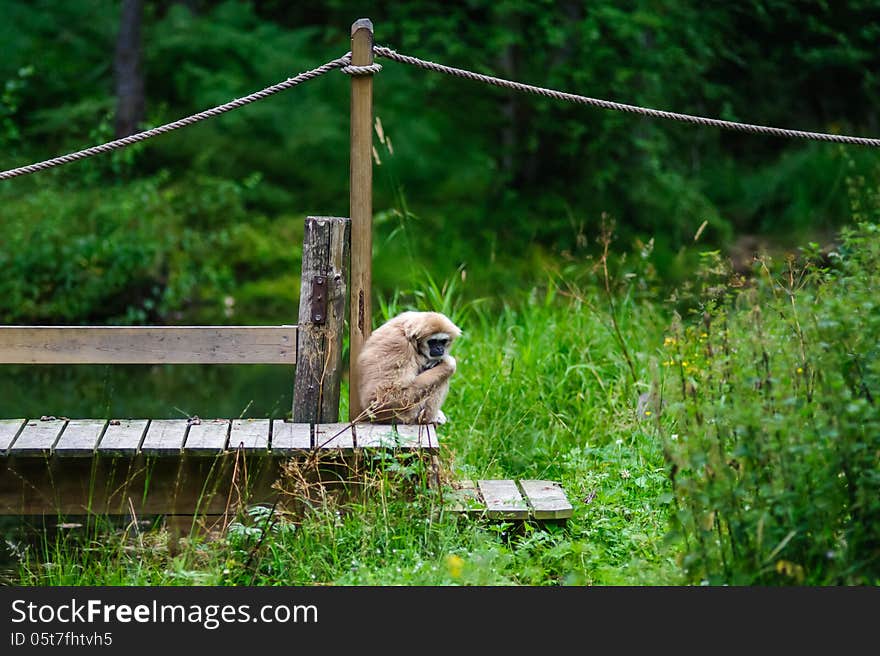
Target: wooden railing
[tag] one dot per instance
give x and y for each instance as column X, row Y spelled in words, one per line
column 148, row 344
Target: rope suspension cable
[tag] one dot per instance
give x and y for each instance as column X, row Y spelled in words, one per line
column 620, row 107
column 340, row 62
column 344, row 64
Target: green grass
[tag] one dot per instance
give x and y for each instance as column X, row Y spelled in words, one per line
column 541, row 392
column 753, row 459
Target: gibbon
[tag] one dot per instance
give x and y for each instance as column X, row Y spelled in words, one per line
column 405, row 368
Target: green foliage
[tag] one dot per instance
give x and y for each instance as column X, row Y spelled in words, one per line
column 152, row 250
column 773, row 430
column 761, row 404
column 542, row 392
column 498, row 179
column 755, row 444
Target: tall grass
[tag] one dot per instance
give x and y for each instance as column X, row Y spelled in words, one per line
column 743, row 450
column 774, row 432
column 541, row 392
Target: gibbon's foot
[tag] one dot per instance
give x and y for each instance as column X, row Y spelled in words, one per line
column 440, row 418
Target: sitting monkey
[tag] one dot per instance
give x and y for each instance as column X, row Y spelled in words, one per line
column 405, row 368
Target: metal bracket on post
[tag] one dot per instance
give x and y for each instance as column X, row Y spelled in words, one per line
column 319, row 300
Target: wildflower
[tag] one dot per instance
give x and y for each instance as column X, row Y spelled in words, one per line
column 624, row 473
column 647, row 413
column 800, row 370
column 790, row 569
column 454, row 564
column 669, row 341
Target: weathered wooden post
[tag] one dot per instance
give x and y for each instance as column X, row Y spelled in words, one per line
column 322, row 299
column 361, row 203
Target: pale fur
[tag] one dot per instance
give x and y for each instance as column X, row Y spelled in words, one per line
column 398, row 382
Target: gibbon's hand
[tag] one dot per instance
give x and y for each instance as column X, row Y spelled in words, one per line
column 449, row 361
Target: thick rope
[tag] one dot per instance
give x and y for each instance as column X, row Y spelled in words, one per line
column 369, row 69
column 341, row 62
column 620, row 107
column 344, row 64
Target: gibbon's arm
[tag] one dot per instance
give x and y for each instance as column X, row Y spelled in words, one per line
column 405, row 396
column 427, row 381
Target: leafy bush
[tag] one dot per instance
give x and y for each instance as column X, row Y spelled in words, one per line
column 774, row 436
column 148, row 250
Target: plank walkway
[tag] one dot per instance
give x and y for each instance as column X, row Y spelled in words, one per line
column 511, row 499
column 180, row 466
column 66, row 438
column 176, row 467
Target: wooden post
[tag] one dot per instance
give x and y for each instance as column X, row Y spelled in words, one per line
column 322, row 299
column 361, row 203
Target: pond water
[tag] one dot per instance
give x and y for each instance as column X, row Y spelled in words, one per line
column 146, row 391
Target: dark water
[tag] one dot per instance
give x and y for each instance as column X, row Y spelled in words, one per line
column 146, row 391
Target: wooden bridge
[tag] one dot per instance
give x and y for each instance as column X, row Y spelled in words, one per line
column 171, row 466
column 188, row 467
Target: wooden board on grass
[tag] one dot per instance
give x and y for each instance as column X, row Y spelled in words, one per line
column 503, row 499
column 546, row 499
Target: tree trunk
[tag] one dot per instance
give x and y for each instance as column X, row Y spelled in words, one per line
column 128, row 70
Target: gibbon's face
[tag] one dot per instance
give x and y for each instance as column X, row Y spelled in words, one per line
column 435, row 346
column 431, row 335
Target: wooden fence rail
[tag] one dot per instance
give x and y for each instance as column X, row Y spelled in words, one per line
column 148, row 344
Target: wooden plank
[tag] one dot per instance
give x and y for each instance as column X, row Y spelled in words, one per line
column 37, row 437
column 122, row 437
column 9, row 430
column 207, row 436
column 148, row 344
column 418, row 436
column 465, row 498
column 249, row 434
column 503, row 500
column 402, row 436
column 322, row 302
column 80, row 437
column 334, row 436
column 360, row 204
column 375, row 436
column 165, row 437
column 290, row 437
column 547, row 499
